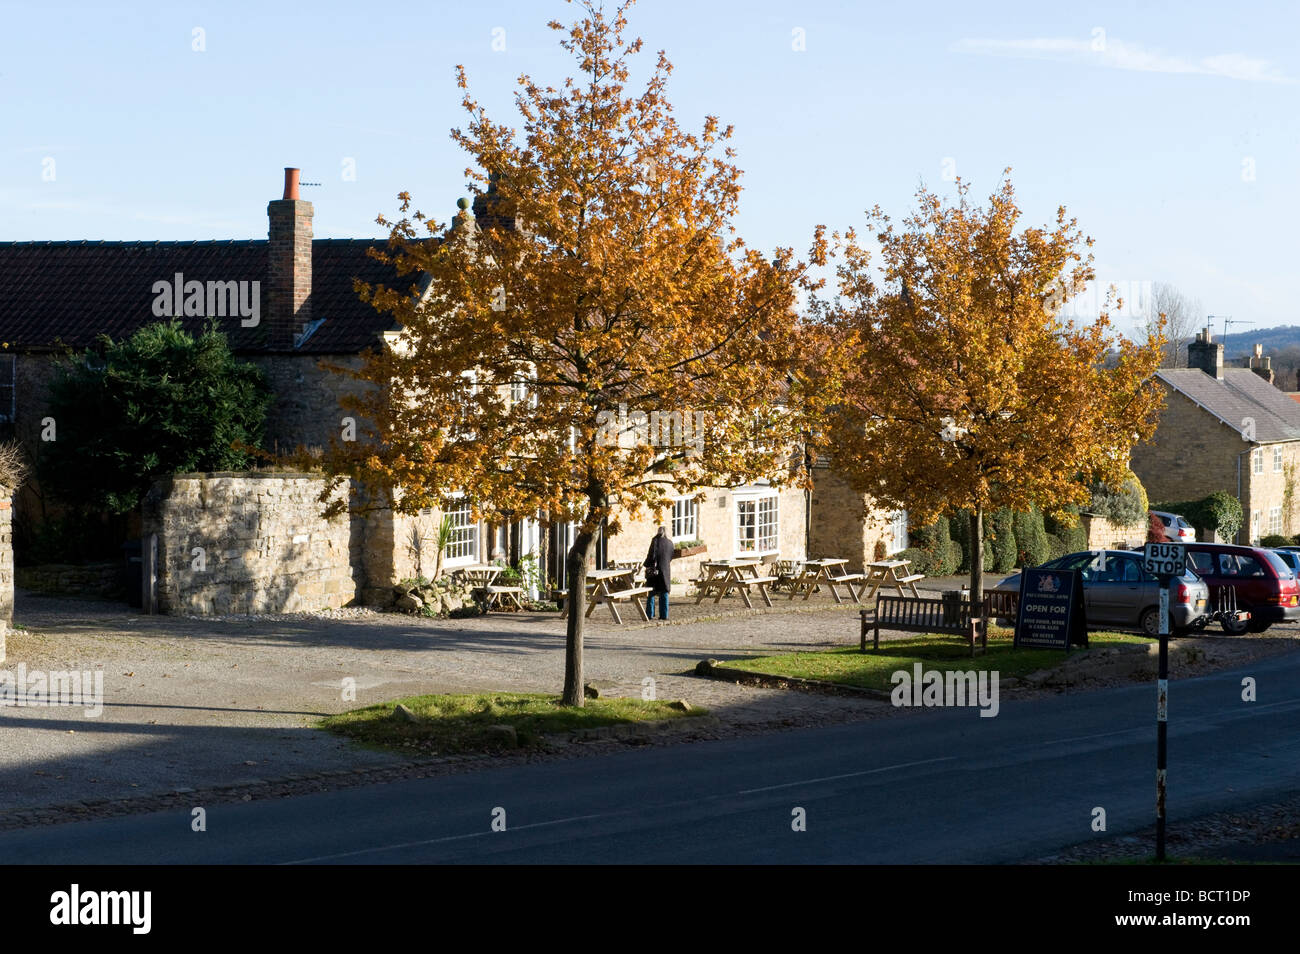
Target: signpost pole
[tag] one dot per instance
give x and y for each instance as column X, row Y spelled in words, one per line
column 1162, row 718
column 1167, row 562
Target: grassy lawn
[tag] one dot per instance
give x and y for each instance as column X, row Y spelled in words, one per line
column 460, row 723
column 871, row 670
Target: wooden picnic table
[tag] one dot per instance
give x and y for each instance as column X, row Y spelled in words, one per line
column 829, row 572
column 482, row 579
column 723, row 576
column 613, row 585
column 891, row 573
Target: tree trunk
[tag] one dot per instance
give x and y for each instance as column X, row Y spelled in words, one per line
column 976, row 560
column 576, row 571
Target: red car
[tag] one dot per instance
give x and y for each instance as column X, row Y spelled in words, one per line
column 1264, row 584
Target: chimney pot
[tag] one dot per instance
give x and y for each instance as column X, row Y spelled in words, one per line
column 290, row 183
column 1206, row 354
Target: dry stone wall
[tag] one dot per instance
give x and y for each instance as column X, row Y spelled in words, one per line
column 250, row 543
column 6, row 570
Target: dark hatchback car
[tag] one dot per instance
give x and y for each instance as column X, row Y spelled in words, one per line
column 1117, row 592
column 1265, row 585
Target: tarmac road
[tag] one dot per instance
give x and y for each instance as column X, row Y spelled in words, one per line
column 942, row 786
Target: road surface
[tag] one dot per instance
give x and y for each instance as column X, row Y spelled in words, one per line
column 940, row 785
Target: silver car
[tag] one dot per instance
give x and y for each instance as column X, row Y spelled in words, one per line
column 1117, row 593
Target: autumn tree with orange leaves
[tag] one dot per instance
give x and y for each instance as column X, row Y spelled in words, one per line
column 967, row 390
column 602, row 276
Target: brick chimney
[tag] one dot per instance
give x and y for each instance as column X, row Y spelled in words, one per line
column 1206, row 354
column 1261, row 365
column 288, row 307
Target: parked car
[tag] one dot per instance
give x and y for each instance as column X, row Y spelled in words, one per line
column 1291, row 557
column 1265, row 584
column 1118, row 593
column 1177, row 529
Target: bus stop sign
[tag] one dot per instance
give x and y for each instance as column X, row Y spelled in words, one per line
column 1164, row 559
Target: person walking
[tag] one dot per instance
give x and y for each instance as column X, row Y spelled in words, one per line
column 658, row 575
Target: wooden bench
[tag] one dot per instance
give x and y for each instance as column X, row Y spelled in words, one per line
column 762, row 582
column 617, row 596
column 911, row 581
column 923, row 615
column 494, row 596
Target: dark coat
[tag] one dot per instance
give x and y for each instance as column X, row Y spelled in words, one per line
column 658, row 564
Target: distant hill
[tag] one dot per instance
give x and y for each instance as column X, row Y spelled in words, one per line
column 1243, row 338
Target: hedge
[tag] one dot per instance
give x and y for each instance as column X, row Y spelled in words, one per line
column 1005, row 551
column 1274, row 540
column 1074, row 538
column 943, row 556
column 1031, row 538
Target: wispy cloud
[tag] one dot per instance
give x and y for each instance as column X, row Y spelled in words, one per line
column 1120, row 55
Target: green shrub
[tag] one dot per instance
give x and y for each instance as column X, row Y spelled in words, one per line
column 921, row 561
column 1004, row 547
column 937, row 543
column 1073, row 537
column 161, row 402
column 1031, row 538
column 1055, row 546
column 1275, row 540
column 1124, row 505
column 959, row 528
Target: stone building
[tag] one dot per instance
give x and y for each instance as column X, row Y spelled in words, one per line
column 1226, row 429
column 288, row 304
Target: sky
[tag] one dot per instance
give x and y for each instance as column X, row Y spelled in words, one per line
column 1168, row 129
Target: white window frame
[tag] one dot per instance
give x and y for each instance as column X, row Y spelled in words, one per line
column 1275, row 520
column 896, row 540
column 472, row 539
column 688, row 519
column 763, row 501
column 1257, row 459
column 1277, row 459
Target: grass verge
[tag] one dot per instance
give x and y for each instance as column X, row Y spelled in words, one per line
column 456, row 724
column 872, row 669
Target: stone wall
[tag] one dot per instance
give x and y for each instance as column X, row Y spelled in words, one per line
column 1192, row 455
column 1270, row 493
column 6, row 570
column 263, row 546
column 305, row 410
column 103, row 580
column 1104, row 535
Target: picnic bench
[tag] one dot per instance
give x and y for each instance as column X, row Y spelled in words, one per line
column 829, row 572
column 481, row 577
column 724, row 576
column 925, row 614
column 787, row 571
column 612, row 586
column 891, row 573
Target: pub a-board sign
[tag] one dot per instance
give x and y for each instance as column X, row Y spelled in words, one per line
column 1051, row 613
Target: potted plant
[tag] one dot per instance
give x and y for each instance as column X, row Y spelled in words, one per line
column 688, row 548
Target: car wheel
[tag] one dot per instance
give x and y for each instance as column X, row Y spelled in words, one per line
column 1257, row 626
column 1149, row 622
column 1235, row 628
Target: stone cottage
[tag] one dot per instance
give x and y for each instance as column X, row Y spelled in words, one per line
column 288, row 304
column 1226, row 429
